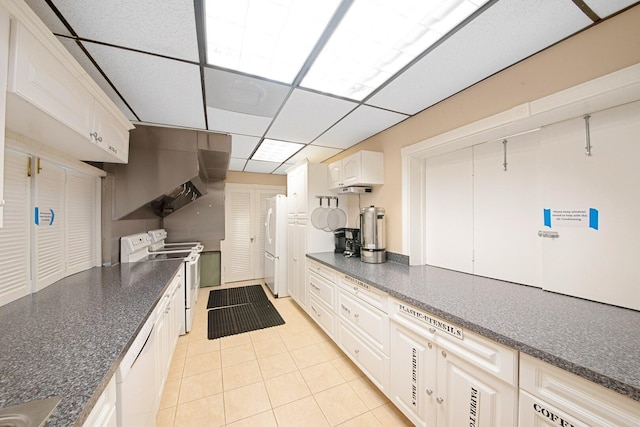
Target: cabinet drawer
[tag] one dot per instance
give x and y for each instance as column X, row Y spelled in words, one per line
column 484, row 353
column 371, row 361
column 552, row 392
column 322, row 288
column 369, row 321
column 363, row 291
column 323, row 317
column 323, row 271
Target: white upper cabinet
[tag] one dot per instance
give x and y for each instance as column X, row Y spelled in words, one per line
column 361, row 168
column 51, row 99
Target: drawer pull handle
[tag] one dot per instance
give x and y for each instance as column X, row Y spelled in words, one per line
column 439, row 400
column 345, row 308
column 429, row 345
column 444, row 353
column 356, row 315
column 429, row 392
column 357, row 351
column 432, row 331
column 355, row 288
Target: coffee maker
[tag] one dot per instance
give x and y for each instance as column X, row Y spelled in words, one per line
column 352, row 242
column 347, row 241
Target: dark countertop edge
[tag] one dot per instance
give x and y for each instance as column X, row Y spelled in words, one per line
column 581, row 371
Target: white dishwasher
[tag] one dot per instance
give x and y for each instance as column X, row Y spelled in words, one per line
column 137, row 400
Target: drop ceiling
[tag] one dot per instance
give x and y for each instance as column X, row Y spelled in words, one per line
column 150, row 58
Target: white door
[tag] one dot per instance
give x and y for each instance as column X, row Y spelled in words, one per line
column 596, row 254
column 48, row 217
column 246, row 213
column 506, row 209
column 14, row 236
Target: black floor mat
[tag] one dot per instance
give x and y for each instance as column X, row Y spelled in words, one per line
column 257, row 313
column 236, row 296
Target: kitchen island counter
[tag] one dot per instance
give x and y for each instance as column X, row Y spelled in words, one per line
column 596, row 341
column 68, row 339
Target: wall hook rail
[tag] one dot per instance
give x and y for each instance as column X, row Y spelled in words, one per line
column 588, row 134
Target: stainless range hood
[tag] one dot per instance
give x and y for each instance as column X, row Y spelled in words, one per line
column 168, row 168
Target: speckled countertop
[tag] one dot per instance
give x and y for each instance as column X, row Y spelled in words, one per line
column 68, row 339
column 596, row 341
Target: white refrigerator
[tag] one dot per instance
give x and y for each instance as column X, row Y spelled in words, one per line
column 275, row 246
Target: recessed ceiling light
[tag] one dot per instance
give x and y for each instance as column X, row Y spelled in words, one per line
column 377, row 38
column 268, row 38
column 272, row 150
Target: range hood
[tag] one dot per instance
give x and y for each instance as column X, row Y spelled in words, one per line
column 168, row 168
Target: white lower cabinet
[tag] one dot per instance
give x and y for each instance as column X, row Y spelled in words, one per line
column 371, row 361
column 296, row 262
column 443, row 376
column 550, row 396
column 103, row 413
column 322, row 297
column 363, row 328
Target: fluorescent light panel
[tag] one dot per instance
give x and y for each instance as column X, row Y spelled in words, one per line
column 377, row 38
column 272, row 150
column 268, row 38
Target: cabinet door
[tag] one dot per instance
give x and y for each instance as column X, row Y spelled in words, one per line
column 351, row 170
column 468, row 396
column 335, row 174
column 109, row 134
column 412, row 381
column 49, row 234
column 4, row 54
column 297, row 192
column 15, row 262
column 372, row 362
column 301, row 267
column 602, row 247
column 292, row 260
column 37, row 76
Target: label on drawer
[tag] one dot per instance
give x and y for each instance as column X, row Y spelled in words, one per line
column 357, row 282
column 454, row 331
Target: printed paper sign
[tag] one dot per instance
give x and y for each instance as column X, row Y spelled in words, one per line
column 44, row 217
column 586, row 218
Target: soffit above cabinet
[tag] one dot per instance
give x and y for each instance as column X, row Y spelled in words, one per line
column 150, row 58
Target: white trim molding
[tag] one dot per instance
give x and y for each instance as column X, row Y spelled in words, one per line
column 617, row 88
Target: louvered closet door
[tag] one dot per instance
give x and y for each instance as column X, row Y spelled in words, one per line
column 14, row 236
column 48, row 214
column 80, row 222
column 239, row 237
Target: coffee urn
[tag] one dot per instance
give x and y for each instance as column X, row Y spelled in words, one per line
column 372, row 241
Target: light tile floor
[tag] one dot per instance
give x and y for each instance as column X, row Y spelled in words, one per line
column 288, row 375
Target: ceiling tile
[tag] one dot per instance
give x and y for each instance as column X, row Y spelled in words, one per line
column 260, row 166
column 95, row 75
column 233, row 92
column 165, row 27
column 362, row 123
column 237, row 164
column 314, row 153
column 507, row 32
column 46, row 15
column 604, row 8
column 159, row 90
column 242, row 146
column 306, row 115
column 230, row 122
